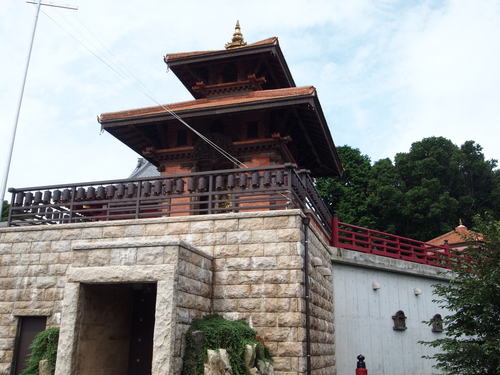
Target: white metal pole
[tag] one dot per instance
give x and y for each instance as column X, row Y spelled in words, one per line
column 14, row 129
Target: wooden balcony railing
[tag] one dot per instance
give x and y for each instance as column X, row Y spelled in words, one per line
column 351, row 237
column 223, row 191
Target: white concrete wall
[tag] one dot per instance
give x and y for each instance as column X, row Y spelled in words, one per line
column 363, row 316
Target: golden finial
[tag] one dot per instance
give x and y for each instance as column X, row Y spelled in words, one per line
column 460, row 222
column 237, row 40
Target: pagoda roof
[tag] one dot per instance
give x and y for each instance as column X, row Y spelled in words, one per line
column 267, row 51
column 459, row 236
column 324, row 160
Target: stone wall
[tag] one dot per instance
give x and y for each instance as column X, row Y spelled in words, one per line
column 244, row 266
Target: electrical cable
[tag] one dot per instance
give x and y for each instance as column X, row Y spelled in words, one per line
column 142, row 88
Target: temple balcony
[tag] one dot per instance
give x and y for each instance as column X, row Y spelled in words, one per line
column 201, row 193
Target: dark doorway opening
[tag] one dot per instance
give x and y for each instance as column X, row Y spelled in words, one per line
column 143, row 325
column 28, row 327
column 116, row 329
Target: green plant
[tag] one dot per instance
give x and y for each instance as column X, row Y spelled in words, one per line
column 44, row 346
column 472, row 328
column 220, row 333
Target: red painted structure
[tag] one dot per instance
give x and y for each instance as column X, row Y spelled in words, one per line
column 351, row 237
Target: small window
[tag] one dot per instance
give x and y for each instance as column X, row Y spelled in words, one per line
column 437, row 323
column 182, row 137
column 28, row 327
column 253, row 129
column 230, row 74
column 399, row 321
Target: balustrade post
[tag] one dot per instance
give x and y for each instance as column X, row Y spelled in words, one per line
column 361, row 366
column 335, row 230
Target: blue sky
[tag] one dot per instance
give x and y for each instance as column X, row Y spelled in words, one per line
column 388, row 73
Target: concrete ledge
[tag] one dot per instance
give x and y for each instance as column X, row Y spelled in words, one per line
column 121, row 274
column 360, row 259
column 32, row 312
column 98, row 245
column 159, row 220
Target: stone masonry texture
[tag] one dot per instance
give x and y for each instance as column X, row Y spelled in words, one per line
column 243, row 266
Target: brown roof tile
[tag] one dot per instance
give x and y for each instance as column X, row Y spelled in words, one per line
column 254, row 96
column 454, row 237
column 173, row 56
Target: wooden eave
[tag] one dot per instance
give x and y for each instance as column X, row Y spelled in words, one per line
column 129, row 126
column 269, row 50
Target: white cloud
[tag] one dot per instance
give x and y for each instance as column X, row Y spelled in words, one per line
column 388, row 72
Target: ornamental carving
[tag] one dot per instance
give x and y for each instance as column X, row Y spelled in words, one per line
column 204, row 151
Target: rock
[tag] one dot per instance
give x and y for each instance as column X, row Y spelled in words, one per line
column 217, row 363
column 265, row 368
column 250, row 356
column 44, row 367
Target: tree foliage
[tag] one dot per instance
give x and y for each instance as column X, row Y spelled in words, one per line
column 5, row 211
column 422, row 194
column 220, row 333
column 472, row 330
column 44, row 346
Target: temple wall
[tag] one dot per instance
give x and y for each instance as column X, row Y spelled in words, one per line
column 243, row 266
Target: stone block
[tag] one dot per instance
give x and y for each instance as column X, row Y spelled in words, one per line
column 13, row 237
column 177, row 228
column 80, row 259
column 238, row 264
column 45, row 282
column 70, row 234
column 266, row 236
column 237, row 291
column 225, row 251
column 114, row 231
column 99, row 258
column 250, row 277
column 229, row 225
column 5, row 247
column 51, row 234
column 290, row 349
column 279, row 222
column 280, row 248
column 91, row 233
column 248, row 224
column 264, row 319
column 277, row 305
column 123, row 256
column 156, row 229
column 49, row 258
column 218, row 238
column 40, row 246
column 239, row 237
column 57, row 269
column 150, row 255
column 60, row 246
column 249, row 304
column 135, row 230
column 251, row 250
column 226, row 277
column 263, row 263
column 289, row 262
column 203, row 226
column 288, row 235
column 225, row 305
column 21, row 247
column 279, row 334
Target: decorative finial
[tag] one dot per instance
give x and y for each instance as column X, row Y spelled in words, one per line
column 460, row 222
column 237, row 40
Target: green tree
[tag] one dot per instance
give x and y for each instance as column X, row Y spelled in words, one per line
column 472, row 330
column 348, row 195
column 5, row 211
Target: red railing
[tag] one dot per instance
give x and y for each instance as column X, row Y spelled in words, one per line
column 370, row 241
